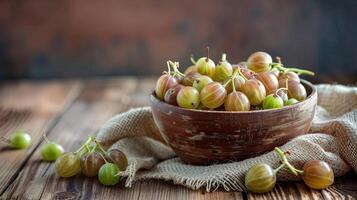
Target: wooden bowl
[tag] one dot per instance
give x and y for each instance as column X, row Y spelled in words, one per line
column 203, row 137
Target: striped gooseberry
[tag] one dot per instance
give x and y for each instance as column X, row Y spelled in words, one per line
column 213, row 95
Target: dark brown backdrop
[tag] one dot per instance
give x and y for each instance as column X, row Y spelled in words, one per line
column 50, row 38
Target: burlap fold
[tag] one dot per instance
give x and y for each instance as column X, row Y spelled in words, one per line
column 333, row 139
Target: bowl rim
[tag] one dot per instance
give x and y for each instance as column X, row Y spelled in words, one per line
column 153, row 99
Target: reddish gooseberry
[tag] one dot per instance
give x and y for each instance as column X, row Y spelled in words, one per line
column 213, row 95
column 259, row 62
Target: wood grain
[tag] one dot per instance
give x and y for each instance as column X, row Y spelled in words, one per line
column 32, row 107
column 96, row 102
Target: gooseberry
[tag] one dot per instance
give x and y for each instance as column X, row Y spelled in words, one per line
column 171, row 94
column 255, row 91
column 260, row 178
column 188, row 97
column 269, row 81
column 291, row 76
column 238, row 83
column 213, row 95
column 296, row 90
column 68, row 165
column 247, row 73
column 19, row 140
column 164, row 83
column 118, row 157
column 91, row 163
column 317, row 174
column 190, row 78
column 223, row 70
column 272, row 101
column 108, row 174
column 205, row 65
column 237, row 101
column 290, row 102
column 190, row 69
column 51, row 151
column 259, row 62
column 201, row 82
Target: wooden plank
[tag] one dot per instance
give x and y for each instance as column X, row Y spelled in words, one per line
column 33, row 107
column 155, row 190
column 288, row 191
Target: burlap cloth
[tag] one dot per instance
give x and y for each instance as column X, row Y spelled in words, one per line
column 333, row 139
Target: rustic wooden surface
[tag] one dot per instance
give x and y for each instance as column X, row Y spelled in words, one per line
column 70, row 111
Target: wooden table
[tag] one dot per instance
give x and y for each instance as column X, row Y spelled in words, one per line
column 68, row 111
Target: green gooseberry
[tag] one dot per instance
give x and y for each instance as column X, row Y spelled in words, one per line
column 108, row 174
column 68, row 165
column 260, row 178
column 223, row 70
column 290, row 101
column 205, row 65
column 188, row 97
column 51, row 151
column 272, row 101
column 201, row 82
column 19, row 140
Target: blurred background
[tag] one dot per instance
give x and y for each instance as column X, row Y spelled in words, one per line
column 46, row 39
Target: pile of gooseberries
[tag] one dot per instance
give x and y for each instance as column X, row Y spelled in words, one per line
column 261, row 177
column 92, row 160
column 258, row 83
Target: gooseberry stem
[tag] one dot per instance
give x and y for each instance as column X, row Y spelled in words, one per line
column 281, row 67
column 90, row 139
column 192, row 59
column 94, row 148
column 168, row 67
column 233, row 86
column 100, row 147
column 224, row 57
column 285, row 161
column 276, row 92
column 207, row 54
column 175, row 66
column 87, row 147
column 233, row 77
column 300, row 71
column 226, row 83
column 105, row 160
column 279, row 168
column 241, row 74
